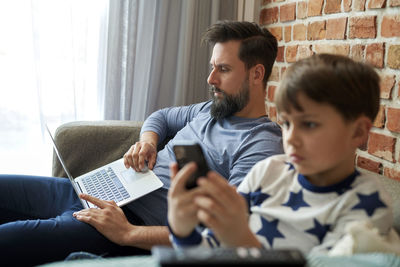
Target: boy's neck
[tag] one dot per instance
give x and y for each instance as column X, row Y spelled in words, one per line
column 332, row 176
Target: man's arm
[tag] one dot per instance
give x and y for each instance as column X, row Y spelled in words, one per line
column 110, row 220
column 144, row 150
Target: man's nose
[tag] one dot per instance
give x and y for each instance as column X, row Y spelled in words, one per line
column 212, row 78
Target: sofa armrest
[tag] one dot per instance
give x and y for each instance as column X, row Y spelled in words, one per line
column 87, row 145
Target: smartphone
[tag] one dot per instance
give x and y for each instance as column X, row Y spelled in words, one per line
column 188, row 152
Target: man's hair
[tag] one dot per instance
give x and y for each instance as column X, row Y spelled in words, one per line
column 351, row 87
column 258, row 45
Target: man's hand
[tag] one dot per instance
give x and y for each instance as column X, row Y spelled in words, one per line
column 108, row 219
column 225, row 211
column 182, row 211
column 140, row 152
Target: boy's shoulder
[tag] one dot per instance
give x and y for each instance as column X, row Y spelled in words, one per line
column 271, row 167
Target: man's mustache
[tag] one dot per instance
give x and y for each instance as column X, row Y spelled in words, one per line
column 214, row 89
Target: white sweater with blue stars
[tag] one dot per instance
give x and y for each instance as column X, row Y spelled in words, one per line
column 287, row 211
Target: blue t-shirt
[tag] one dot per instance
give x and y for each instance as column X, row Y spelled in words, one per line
column 231, row 145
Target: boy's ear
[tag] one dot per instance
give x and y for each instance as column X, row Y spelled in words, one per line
column 362, row 126
column 258, row 73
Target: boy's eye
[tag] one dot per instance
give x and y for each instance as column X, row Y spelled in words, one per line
column 309, row 124
column 285, row 124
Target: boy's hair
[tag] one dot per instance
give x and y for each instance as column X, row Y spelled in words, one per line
column 351, row 87
column 258, row 45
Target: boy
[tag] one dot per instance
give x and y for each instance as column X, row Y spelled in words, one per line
column 304, row 198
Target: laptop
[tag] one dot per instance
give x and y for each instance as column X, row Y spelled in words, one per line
column 111, row 182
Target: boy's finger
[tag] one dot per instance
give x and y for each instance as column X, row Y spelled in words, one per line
column 182, row 176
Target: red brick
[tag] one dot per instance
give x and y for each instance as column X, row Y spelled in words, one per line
column 271, row 93
column 288, row 34
column 332, row 6
column 274, row 74
column 316, row 30
column 304, row 51
column 283, row 70
column 362, row 27
column 288, row 12
column 269, row 15
column 280, row 56
column 357, row 52
column 375, row 54
column 393, row 120
column 336, row 28
column 277, row 32
column 381, row 146
column 380, row 118
column 302, row 10
column 332, row 49
column 395, row 3
column 314, row 8
column 394, row 57
column 291, row 53
column 369, row 164
column 347, row 5
column 387, row 84
column 358, row 5
column 392, row 173
column 299, row 32
column 376, row 3
column 390, row 26
column 272, row 114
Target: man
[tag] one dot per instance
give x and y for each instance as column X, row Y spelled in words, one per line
column 232, row 129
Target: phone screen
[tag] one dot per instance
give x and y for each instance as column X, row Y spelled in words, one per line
column 186, row 153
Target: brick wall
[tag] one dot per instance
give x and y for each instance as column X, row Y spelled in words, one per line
column 365, row 30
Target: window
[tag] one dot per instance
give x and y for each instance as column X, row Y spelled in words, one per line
column 50, row 60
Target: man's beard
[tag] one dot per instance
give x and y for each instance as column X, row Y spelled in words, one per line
column 228, row 105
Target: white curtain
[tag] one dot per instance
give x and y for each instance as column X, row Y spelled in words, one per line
column 66, row 60
column 49, row 58
column 155, row 58
column 68, row 37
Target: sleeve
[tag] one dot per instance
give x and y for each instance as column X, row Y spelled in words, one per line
column 168, row 121
column 372, row 208
column 195, row 239
column 262, row 144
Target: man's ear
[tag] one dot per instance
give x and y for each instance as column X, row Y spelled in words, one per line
column 362, row 126
column 258, row 73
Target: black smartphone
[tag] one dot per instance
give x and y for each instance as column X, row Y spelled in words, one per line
column 188, row 152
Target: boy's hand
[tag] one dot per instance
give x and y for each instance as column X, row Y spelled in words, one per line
column 225, row 211
column 182, row 211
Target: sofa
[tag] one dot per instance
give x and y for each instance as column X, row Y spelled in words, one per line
column 86, row 145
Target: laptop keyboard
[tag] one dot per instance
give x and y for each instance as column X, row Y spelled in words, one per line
column 105, row 185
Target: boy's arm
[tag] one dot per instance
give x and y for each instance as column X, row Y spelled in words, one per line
column 218, row 206
column 372, row 209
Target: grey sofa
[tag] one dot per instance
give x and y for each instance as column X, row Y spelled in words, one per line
column 86, row 145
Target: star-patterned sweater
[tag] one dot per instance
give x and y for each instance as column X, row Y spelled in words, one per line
column 287, row 211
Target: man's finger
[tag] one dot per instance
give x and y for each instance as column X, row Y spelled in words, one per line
column 94, row 200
